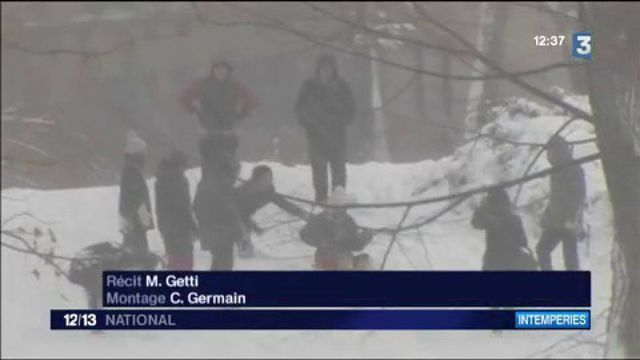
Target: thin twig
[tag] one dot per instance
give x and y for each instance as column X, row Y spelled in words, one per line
column 489, row 63
column 394, row 236
column 474, row 191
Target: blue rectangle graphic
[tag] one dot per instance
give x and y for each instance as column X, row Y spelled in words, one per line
column 352, row 319
column 553, row 319
column 347, row 289
column 581, row 45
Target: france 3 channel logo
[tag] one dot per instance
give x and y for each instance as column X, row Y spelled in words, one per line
column 581, row 45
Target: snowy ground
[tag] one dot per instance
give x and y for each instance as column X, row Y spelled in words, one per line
column 83, row 216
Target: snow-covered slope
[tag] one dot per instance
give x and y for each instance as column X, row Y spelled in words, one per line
column 83, row 216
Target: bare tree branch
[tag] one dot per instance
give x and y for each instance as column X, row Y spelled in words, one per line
column 25, row 214
column 514, row 79
column 535, row 158
column 14, row 45
column 394, row 237
column 478, row 190
column 421, row 44
column 48, row 258
column 420, row 223
column 282, row 26
column 385, row 34
column 545, row 8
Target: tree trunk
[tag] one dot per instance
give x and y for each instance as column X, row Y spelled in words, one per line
column 482, row 94
column 447, row 103
column 420, row 93
column 361, row 133
column 476, row 88
column 577, row 74
column 613, row 78
column 380, row 145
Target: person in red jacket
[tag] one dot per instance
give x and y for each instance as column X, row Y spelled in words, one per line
column 219, row 100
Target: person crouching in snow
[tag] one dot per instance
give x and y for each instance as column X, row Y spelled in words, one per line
column 253, row 195
column 336, row 237
column 507, row 247
column 87, row 266
column 173, row 209
column 134, row 205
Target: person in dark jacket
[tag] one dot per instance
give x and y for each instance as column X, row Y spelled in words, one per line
column 86, row 267
column 218, row 155
column 219, row 100
column 507, row 247
column 325, row 107
column 173, row 210
column 562, row 219
column 252, row 196
column 216, row 210
column 336, row 237
column 134, row 205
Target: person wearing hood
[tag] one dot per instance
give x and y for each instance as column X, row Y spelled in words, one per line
column 219, row 100
column 253, row 195
column 336, row 237
column 562, row 219
column 173, row 210
column 325, row 107
column 506, row 240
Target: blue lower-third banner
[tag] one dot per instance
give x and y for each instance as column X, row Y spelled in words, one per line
column 318, row 319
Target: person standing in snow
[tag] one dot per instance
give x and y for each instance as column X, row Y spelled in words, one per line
column 252, row 196
column 336, row 237
column 506, row 240
column 134, row 205
column 173, row 210
column 325, row 107
column 219, row 100
column 215, row 207
column 562, row 219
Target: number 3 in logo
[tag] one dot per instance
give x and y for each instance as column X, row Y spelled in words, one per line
column 581, row 45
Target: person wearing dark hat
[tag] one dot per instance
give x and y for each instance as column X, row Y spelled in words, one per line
column 562, row 219
column 173, row 210
column 507, row 247
column 325, row 107
column 134, row 204
column 219, row 100
column 253, row 195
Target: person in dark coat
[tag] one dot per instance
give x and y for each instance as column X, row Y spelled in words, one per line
column 253, row 195
column 507, row 247
column 134, row 204
column 219, row 100
column 562, row 219
column 86, row 267
column 325, row 107
column 173, row 210
column 216, row 210
column 336, row 237
column 218, row 155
